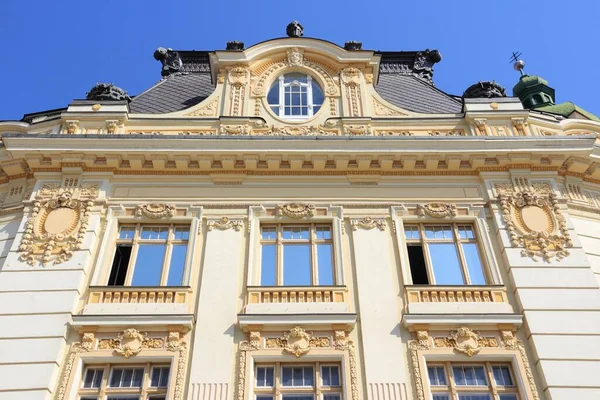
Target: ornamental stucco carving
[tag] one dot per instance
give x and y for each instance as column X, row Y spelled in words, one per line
column 534, row 221
column 358, row 130
column 297, row 342
column 130, row 343
column 208, row 110
column 296, row 210
column 293, row 57
column 437, row 210
column 224, row 223
column 58, row 223
column 381, row 109
column 368, row 223
column 155, row 210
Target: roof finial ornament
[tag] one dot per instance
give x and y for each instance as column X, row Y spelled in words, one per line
column 295, row 29
column 518, row 64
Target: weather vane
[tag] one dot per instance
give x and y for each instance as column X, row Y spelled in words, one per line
column 518, row 64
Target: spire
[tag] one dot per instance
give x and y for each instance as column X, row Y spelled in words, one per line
column 532, row 90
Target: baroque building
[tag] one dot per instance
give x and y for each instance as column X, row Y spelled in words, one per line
column 298, row 220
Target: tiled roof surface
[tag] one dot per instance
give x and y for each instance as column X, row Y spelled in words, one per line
column 413, row 94
column 174, row 93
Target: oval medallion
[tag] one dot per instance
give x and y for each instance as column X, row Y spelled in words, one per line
column 60, row 220
column 536, row 219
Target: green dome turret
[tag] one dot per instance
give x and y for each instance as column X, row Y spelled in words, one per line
column 533, row 91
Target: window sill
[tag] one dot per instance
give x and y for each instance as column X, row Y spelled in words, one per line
column 296, row 299
column 107, row 300
column 433, row 299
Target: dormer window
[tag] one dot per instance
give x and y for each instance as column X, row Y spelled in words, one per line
column 295, row 96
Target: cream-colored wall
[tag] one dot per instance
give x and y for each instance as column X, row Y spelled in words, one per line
column 36, row 305
column 588, row 231
column 560, row 301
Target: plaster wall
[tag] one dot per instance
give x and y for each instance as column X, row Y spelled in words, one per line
column 561, row 304
column 36, row 304
column 377, row 287
column 589, row 234
column 213, row 345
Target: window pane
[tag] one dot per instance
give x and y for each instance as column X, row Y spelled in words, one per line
column 330, row 376
column 323, row 232
column 332, row 396
column 148, row 265
column 178, row 253
column 155, row 233
column 437, row 376
column 317, row 94
column 296, row 232
column 466, row 232
column 159, row 377
column 324, row 264
column 474, row 397
column 286, row 379
column 296, row 265
column 411, row 232
column 471, row 376
column 93, row 378
column 502, row 376
column 508, row 396
column 182, row 234
column 473, row 263
column 268, row 276
column 115, row 378
column 441, row 397
column 445, row 264
column 298, row 397
column 309, row 379
column 264, row 376
column 273, row 96
column 269, row 232
column 126, row 232
column 261, row 397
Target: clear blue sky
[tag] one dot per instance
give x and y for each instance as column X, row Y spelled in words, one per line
column 55, row 51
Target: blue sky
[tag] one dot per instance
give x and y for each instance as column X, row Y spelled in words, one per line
column 55, row 51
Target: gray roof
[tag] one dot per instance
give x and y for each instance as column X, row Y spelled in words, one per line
column 173, row 93
column 414, row 94
column 405, row 80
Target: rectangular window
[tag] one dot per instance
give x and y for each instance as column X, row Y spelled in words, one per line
column 117, row 382
column 298, row 382
column 485, row 381
column 296, row 255
column 444, row 254
column 149, row 255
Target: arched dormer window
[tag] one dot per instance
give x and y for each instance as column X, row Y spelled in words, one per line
column 295, row 96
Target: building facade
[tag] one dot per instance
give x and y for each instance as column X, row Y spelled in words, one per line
column 301, row 220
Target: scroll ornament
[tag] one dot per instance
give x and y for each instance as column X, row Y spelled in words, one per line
column 224, row 223
column 368, row 223
column 155, row 210
column 297, row 342
column 534, row 222
column 296, row 210
column 58, row 223
column 130, row 343
column 437, row 210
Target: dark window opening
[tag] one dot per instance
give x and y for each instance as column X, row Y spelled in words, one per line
column 418, row 270
column 118, row 271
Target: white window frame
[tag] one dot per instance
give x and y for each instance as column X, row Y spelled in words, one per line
column 309, row 96
column 475, row 217
column 117, row 216
column 258, row 215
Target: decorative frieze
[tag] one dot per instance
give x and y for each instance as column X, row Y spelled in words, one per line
column 155, row 210
column 297, row 341
column 58, row 223
column 437, row 210
column 296, row 210
column 224, row 223
column 130, row 342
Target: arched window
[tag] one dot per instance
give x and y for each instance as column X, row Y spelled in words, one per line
column 295, row 96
